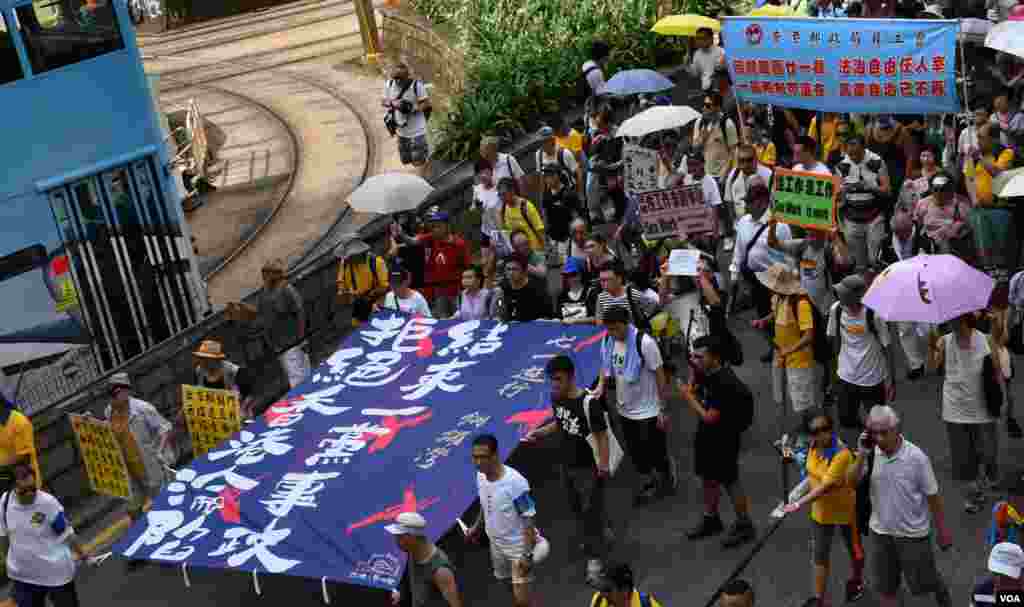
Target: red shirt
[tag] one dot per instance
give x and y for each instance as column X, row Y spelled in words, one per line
column 445, row 262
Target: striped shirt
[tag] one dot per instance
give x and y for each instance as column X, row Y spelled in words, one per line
column 606, row 301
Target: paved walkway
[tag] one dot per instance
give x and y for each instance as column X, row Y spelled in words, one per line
column 298, row 63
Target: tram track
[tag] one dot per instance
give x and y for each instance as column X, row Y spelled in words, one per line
column 274, row 74
column 285, row 18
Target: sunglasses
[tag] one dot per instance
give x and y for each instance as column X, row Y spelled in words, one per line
column 709, row 106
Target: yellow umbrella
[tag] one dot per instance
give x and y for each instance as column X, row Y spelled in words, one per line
column 771, row 10
column 685, row 25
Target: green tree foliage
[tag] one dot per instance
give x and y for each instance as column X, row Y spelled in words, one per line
column 523, row 58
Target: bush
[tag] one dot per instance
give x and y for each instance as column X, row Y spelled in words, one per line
column 523, row 58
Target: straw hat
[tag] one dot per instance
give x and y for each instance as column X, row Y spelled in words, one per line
column 209, row 348
column 781, row 279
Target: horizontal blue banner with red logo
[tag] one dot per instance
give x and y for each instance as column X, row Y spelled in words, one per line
column 869, row 66
column 383, row 426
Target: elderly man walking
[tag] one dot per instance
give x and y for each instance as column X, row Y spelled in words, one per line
column 905, row 503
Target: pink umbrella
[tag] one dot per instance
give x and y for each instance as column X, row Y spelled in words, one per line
column 929, row 288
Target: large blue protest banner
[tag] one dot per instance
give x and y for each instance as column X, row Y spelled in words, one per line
column 870, row 66
column 383, row 426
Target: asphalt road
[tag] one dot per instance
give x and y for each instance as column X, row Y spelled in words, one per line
column 676, row 570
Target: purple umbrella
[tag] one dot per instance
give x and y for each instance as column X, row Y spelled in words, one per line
column 929, row 288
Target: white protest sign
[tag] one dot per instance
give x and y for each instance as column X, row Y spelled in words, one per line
column 641, row 168
column 683, row 262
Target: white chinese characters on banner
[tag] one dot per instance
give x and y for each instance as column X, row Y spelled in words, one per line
column 390, row 347
column 641, row 169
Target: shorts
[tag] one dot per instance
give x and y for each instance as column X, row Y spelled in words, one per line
column 413, row 150
column 801, row 385
column 821, row 541
column 894, row 558
column 503, row 560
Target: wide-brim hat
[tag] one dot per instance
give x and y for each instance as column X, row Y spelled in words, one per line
column 781, row 279
column 209, row 348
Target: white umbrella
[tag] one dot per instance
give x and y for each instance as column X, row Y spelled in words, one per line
column 390, row 193
column 1007, row 37
column 657, row 118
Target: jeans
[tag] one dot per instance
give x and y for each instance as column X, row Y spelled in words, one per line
column 587, row 501
column 647, row 446
column 864, row 240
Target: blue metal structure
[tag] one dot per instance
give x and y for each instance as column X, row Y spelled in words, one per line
column 94, row 247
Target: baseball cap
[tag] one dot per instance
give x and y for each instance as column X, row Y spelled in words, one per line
column 408, row 523
column 886, row 121
column 615, row 315
column 572, row 266
column 851, row 289
column 545, row 132
column 1006, row 559
column 120, row 379
column 436, row 215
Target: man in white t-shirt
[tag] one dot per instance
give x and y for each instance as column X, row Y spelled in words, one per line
column 593, row 70
column 486, row 198
column 38, row 542
column 805, row 152
column 865, row 370
column 737, row 182
column 905, row 504
column 632, row 364
column 707, row 57
column 407, row 101
column 502, row 165
column 507, row 513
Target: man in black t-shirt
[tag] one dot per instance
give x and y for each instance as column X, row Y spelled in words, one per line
column 724, row 408
column 524, row 297
column 584, row 477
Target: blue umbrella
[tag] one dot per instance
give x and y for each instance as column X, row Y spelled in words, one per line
column 635, row 82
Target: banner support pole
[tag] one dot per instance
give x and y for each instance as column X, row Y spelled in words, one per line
column 963, row 64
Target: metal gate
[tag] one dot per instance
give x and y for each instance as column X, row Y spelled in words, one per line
column 127, row 258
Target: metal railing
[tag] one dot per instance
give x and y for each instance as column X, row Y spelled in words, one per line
column 158, row 373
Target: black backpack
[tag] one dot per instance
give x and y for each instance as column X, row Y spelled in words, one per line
column 568, row 177
column 864, row 496
column 822, row 346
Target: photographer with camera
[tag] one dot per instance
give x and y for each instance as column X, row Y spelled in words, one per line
column 864, row 196
column 409, row 109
